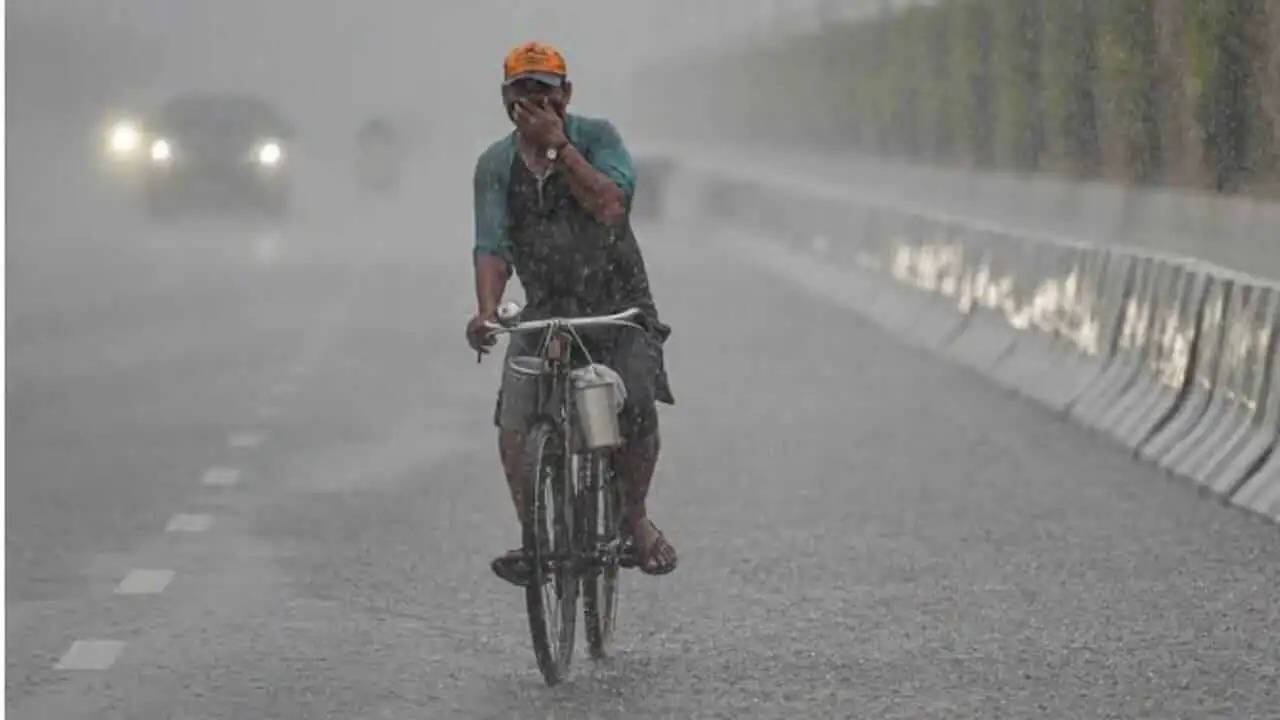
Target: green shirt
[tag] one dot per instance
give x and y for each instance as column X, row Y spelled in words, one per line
column 595, row 138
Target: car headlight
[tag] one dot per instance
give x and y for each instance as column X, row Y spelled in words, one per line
column 270, row 153
column 161, row 151
column 125, row 138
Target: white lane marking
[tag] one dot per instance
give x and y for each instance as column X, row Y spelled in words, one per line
column 244, row 440
column 144, row 582
column 183, row 522
column 269, row 411
column 90, row 655
column 283, row 388
column 220, row 477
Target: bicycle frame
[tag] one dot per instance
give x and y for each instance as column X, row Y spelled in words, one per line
column 555, row 402
column 584, row 540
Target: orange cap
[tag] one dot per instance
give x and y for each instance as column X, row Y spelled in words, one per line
column 536, row 60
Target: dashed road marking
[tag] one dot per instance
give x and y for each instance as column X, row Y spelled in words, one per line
column 220, row 477
column 283, row 388
column 244, row 440
column 269, row 411
column 144, row 582
column 184, row 522
column 90, row 655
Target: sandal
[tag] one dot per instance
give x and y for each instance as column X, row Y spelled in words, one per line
column 514, row 567
column 632, row 557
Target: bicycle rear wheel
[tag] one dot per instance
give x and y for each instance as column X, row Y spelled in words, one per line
column 552, row 597
column 601, row 502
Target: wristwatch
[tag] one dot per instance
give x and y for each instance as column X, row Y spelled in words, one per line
column 554, row 152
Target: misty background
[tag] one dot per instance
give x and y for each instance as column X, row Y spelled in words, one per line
column 75, row 66
column 1135, row 92
column 274, row 421
column 435, row 66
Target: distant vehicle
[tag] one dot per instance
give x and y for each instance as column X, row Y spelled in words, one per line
column 223, row 151
column 379, row 155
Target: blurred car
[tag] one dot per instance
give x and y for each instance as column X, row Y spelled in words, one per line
column 220, row 151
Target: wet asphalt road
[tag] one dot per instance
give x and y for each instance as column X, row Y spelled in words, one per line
column 865, row 531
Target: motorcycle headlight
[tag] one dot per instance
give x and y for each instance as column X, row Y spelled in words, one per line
column 270, row 153
column 161, row 151
column 125, row 138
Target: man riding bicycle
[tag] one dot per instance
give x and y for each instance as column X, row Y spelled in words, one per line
column 551, row 203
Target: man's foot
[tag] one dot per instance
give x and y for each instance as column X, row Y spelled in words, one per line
column 514, row 567
column 656, row 556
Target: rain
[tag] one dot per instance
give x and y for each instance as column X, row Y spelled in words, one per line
column 725, row 358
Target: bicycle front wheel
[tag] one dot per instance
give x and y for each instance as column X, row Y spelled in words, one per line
column 552, row 596
column 602, row 515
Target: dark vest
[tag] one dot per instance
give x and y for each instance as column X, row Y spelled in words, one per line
column 569, row 263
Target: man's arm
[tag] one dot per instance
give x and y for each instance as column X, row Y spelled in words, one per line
column 602, row 189
column 491, row 251
column 599, row 195
column 491, row 280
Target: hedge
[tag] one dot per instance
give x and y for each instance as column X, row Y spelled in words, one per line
column 1148, row 91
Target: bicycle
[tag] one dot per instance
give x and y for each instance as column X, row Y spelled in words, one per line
column 574, row 538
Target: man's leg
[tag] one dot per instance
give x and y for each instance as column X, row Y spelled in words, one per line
column 517, row 401
column 636, row 358
column 511, row 565
column 510, row 447
column 515, row 406
column 636, row 462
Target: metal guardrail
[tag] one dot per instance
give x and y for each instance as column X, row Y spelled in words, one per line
column 1173, row 357
column 1232, row 232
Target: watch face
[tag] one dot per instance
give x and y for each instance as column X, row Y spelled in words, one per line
column 551, row 153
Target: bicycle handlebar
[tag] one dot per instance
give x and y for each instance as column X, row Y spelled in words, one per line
column 622, row 318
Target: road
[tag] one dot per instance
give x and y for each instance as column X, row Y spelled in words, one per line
column 865, row 530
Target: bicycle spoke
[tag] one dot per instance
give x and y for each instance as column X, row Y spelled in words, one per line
column 552, row 598
column 602, row 512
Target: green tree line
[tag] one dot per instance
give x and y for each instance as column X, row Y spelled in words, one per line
column 1180, row 92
